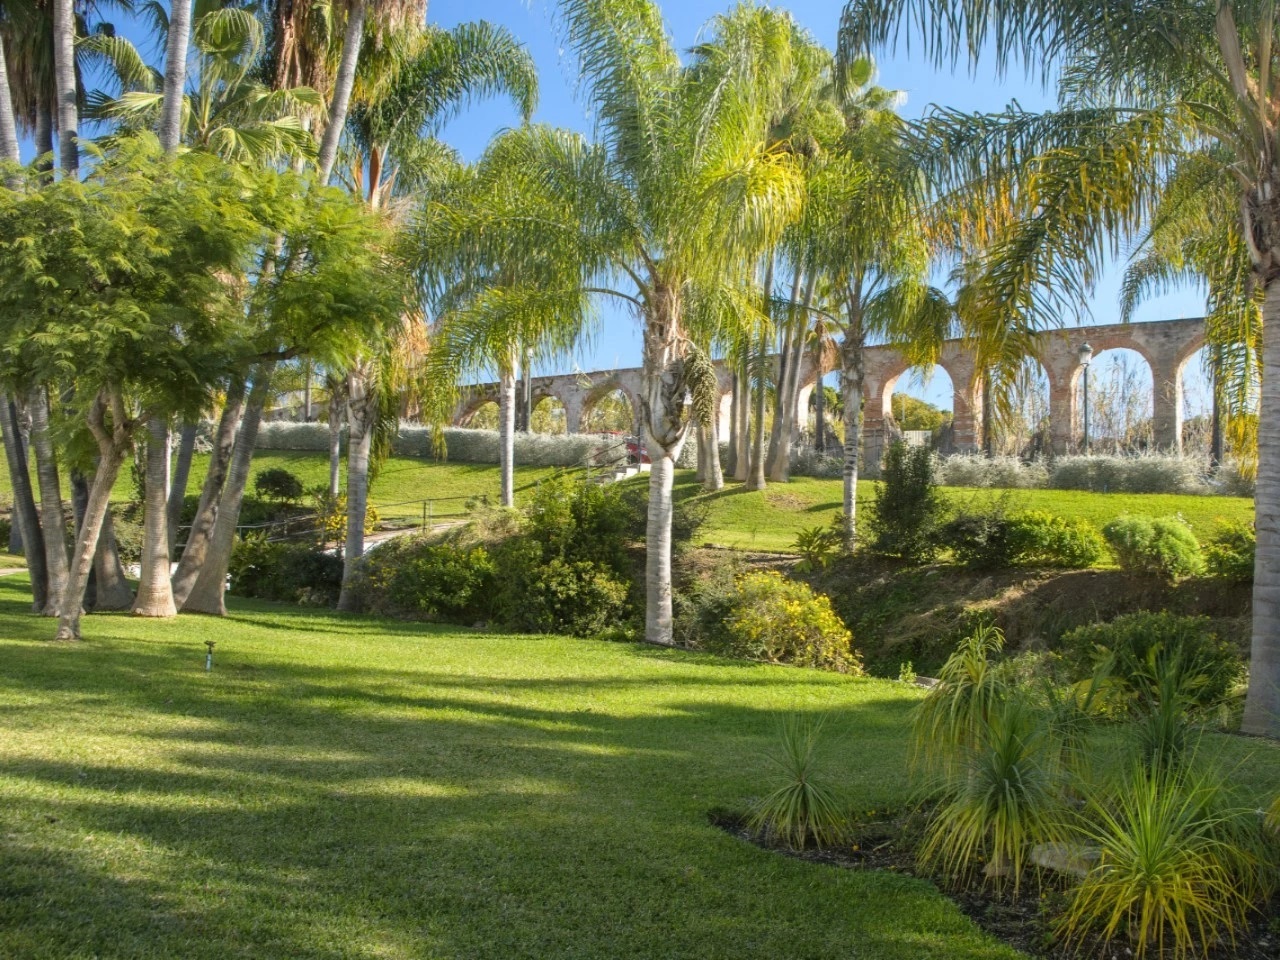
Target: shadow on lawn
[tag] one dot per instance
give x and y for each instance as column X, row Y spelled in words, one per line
column 278, row 808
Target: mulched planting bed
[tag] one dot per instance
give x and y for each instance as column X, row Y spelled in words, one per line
column 1023, row 923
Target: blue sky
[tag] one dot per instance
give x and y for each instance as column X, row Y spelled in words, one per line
column 617, row 342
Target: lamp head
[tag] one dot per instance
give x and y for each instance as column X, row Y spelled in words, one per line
column 1086, row 354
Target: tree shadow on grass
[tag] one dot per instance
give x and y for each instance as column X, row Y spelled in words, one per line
column 416, row 808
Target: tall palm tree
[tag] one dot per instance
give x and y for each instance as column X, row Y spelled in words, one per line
column 865, row 230
column 676, row 202
column 404, row 99
column 1146, row 87
column 385, row 14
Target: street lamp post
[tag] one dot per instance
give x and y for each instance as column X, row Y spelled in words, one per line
column 1086, row 355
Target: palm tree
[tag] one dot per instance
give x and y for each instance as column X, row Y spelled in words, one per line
column 1146, row 86
column 865, row 229
column 388, row 14
column 404, row 99
column 226, row 111
column 675, row 203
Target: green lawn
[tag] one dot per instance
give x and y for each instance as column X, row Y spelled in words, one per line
column 770, row 519
column 401, row 479
column 343, row 787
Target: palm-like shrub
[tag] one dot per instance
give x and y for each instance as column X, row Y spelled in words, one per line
column 969, row 689
column 1177, row 866
column 1004, row 798
column 801, row 807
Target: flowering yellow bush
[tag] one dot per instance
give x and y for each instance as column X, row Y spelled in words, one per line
column 778, row 620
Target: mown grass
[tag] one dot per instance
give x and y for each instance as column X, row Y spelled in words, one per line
column 769, row 520
column 347, row 788
column 401, row 479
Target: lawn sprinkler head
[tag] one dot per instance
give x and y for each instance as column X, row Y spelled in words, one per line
column 208, row 658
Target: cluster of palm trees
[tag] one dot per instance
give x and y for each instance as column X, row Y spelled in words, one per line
column 733, row 197
column 757, row 197
column 256, row 109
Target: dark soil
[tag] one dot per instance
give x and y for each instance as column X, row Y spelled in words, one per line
column 1023, row 922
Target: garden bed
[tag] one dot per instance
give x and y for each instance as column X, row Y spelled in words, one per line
column 1023, row 922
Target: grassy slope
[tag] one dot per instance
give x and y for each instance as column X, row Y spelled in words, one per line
column 770, row 519
column 402, row 478
column 350, row 788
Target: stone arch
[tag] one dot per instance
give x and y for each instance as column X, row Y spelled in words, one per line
column 613, row 385
column 1117, row 428
column 554, row 419
column 470, row 406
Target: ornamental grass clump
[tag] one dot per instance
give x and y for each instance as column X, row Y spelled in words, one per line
column 801, row 808
column 1177, row 868
column 998, row 802
column 970, row 688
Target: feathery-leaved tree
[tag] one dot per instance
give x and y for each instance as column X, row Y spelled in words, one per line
column 1144, row 88
column 676, row 200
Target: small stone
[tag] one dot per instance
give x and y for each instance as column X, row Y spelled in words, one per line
column 1073, row 859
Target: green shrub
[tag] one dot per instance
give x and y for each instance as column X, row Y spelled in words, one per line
column 1047, row 540
column 970, row 688
column 908, row 509
column 1162, row 546
column 1230, row 553
column 278, row 483
column 778, row 620
column 410, row 576
column 539, row 594
column 819, row 546
column 284, row 571
column 1132, row 646
column 801, row 807
column 1176, row 870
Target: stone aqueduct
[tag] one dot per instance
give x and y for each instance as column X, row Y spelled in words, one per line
column 1166, row 345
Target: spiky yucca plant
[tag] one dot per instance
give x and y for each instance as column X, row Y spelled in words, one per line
column 802, row 806
column 1178, row 865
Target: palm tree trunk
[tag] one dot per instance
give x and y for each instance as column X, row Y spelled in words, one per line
column 53, row 520
column 337, row 403
column 666, row 430
column 852, row 374
column 507, row 435
column 362, row 405
column 742, row 464
column 788, row 374
column 756, row 476
column 181, row 476
column 44, row 133
column 819, row 415
column 700, row 437
column 1262, row 704
column 342, row 86
column 155, row 589
column 206, row 594
column 715, row 474
column 27, row 520
column 111, row 590
column 196, row 551
column 64, row 72
column 307, row 376
column 731, row 461
column 175, row 78
column 8, row 124
column 112, row 449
